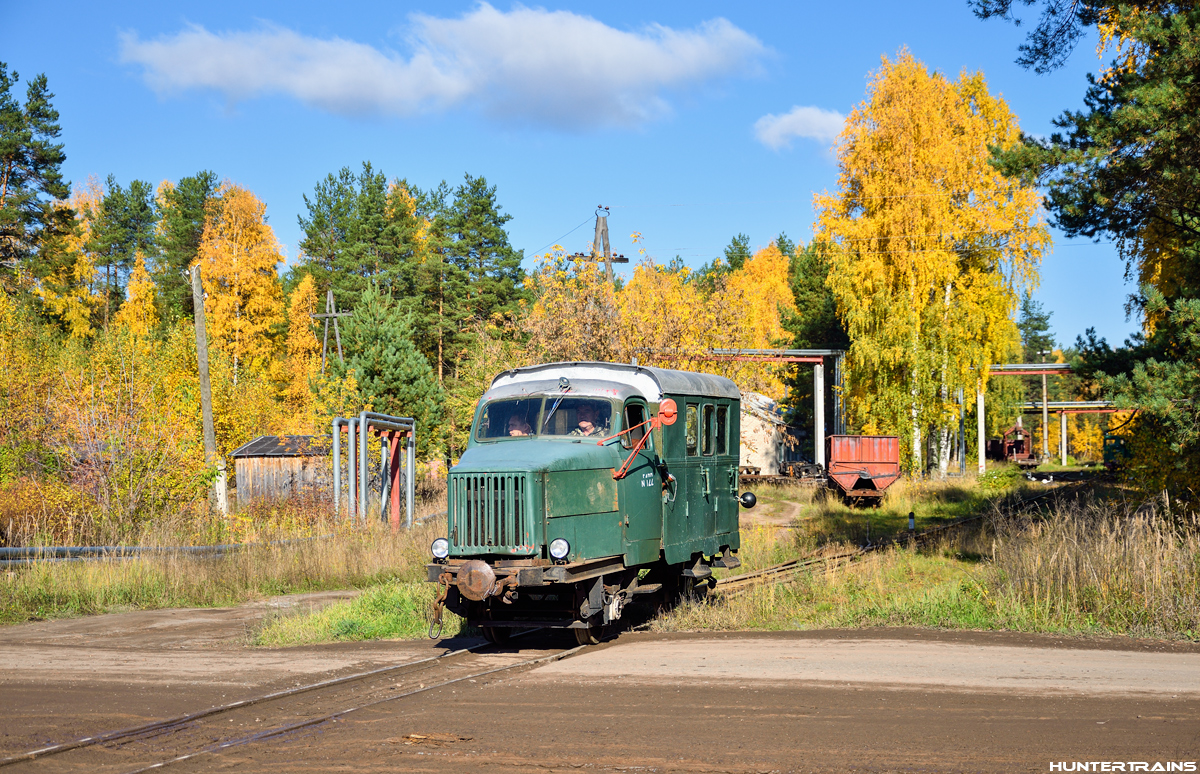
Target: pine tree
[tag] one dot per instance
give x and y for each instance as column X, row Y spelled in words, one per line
column 123, row 229
column 476, row 243
column 815, row 324
column 393, row 376
column 183, row 207
column 357, row 233
column 1126, row 168
column 30, row 171
column 737, row 252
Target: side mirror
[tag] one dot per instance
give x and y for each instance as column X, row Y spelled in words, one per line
column 748, row 500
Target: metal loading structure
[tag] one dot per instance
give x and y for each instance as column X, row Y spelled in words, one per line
column 397, row 467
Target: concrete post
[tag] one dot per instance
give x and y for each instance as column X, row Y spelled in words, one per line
column 218, row 496
column 982, row 437
column 410, row 478
column 352, row 471
column 396, row 481
column 385, row 476
column 364, row 468
column 1045, row 420
column 1062, row 436
column 819, row 414
column 337, row 467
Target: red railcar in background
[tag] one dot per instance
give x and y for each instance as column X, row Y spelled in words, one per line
column 862, row 467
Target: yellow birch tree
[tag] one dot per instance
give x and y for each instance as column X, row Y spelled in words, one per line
column 68, row 292
column 573, row 316
column 929, row 248
column 303, row 362
column 139, row 313
column 239, row 253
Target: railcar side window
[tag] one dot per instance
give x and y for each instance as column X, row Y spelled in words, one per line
column 692, row 429
column 722, row 429
column 635, row 414
column 708, row 430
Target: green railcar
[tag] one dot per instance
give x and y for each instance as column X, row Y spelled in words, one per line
column 586, row 487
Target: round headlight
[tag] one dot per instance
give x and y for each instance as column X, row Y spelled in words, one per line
column 559, row 548
column 440, row 548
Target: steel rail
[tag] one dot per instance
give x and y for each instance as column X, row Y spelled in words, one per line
column 158, row 725
column 280, row 730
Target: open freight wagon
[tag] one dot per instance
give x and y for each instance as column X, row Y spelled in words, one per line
column 862, row 467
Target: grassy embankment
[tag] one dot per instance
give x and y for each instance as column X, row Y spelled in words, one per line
column 317, row 556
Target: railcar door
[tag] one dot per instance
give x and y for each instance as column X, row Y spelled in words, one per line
column 682, row 455
column 725, row 469
column 710, row 483
column 641, row 489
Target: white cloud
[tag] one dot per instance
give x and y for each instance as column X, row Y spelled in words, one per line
column 801, row 121
column 541, row 66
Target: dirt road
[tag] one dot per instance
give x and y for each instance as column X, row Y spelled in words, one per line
column 877, row 700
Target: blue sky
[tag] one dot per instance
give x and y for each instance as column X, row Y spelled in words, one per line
column 650, row 109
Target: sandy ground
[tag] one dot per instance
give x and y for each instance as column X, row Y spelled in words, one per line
column 875, row 700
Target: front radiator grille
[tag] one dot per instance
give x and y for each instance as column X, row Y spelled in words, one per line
column 490, row 512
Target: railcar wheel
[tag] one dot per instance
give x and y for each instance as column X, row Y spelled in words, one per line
column 589, row 636
column 497, row 635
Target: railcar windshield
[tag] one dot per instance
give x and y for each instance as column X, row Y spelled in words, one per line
column 546, row 416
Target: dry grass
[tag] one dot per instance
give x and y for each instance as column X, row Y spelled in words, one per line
column 347, row 557
column 1109, row 564
column 1091, row 566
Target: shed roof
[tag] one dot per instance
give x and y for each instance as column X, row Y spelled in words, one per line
column 283, row 446
column 666, row 381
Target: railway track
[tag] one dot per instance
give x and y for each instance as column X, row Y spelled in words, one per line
column 778, row 573
column 156, row 745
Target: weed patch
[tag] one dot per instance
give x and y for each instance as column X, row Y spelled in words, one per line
column 394, row 610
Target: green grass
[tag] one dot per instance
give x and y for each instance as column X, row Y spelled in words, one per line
column 394, row 610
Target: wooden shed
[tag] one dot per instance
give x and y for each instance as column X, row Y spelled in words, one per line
column 278, row 466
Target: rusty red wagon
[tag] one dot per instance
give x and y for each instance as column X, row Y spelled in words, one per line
column 862, row 467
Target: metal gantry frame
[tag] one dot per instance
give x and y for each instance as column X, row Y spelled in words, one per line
column 817, row 358
column 397, row 466
column 1064, row 407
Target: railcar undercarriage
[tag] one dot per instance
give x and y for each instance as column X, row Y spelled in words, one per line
column 587, row 597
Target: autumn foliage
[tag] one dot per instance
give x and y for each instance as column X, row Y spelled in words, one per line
column 661, row 317
column 929, row 248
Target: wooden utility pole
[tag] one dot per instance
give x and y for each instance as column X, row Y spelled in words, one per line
column 219, row 496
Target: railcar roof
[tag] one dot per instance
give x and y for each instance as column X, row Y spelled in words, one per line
column 653, row 383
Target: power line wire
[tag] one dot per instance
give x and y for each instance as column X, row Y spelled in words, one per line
column 564, row 236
